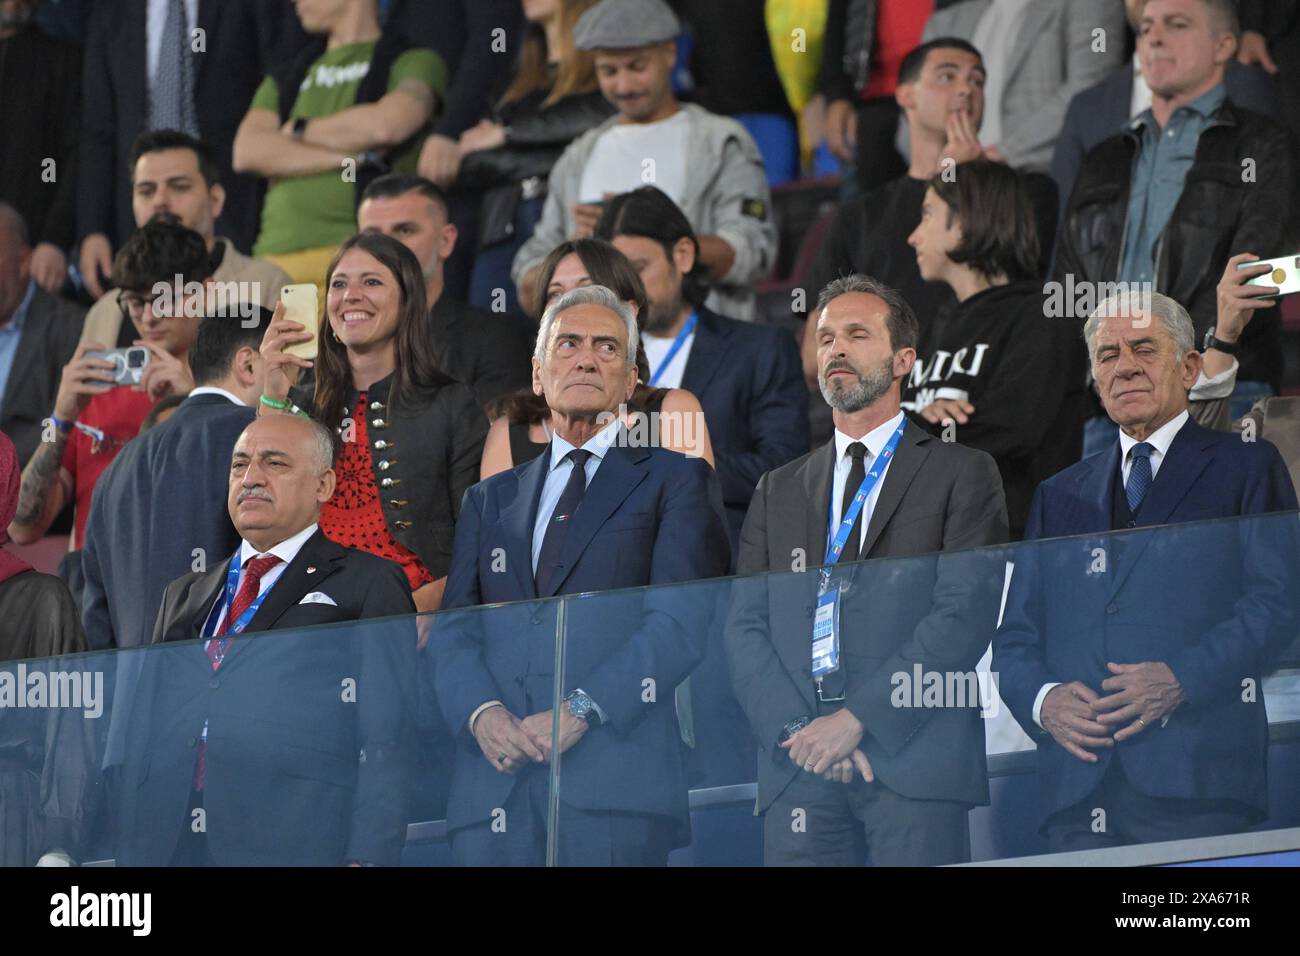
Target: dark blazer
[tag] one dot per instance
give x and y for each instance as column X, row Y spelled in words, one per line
column 159, row 512
column 750, row 384
column 48, row 343
column 1101, row 111
column 1213, row 600
column 240, row 38
column 935, row 610
column 299, row 772
column 648, row 517
column 490, row 352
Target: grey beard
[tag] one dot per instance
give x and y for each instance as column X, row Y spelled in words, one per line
column 857, row 397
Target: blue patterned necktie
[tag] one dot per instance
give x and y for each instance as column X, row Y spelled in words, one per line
column 171, row 100
column 557, row 527
column 1139, row 475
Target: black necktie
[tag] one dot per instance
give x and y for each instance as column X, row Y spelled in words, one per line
column 557, row 528
column 856, row 474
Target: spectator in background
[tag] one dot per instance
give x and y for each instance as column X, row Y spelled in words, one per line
column 93, row 418
column 1101, row 111
column 175, row 175
column 1131, row 680
column 1137, row 211
column 38, row 335
column 1039, row 54
column 487, row 351
column 352, row 101
column 996, row 372
column 865, row 46
column 412, row 438
column 504, row 160
column 707, row 164
column 745, row 376
column 521, row 427
column 40, row 89
column 158, row 509
column 143, row 70
column 1271, row 38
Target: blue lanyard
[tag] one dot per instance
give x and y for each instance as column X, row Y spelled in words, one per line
column 673, row 349
column 228, row 601
column 835, row 547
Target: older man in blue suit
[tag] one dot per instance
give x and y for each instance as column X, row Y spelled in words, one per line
column 593, row 513
column 1136, row 658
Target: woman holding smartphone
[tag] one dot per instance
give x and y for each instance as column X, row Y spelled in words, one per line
column 410, row 437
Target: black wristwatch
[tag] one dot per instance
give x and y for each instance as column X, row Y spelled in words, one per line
column 1229, row 348
column 300, row 127
column 581, row 705
column 794, row 726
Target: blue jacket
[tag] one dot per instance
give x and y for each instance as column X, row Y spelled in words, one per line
column 648, row 517
column 1215, row 600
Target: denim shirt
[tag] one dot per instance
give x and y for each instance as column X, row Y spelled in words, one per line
column 1164, row 157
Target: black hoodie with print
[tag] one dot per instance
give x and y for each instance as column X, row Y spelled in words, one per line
column 1023, row 372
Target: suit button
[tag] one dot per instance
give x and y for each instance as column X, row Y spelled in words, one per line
column 1111, row 609
column 385, row 464
column 214, row 683
column 378, row 423
column 402, row 524
column 389, row 482
column 398, row 502
column 376, row 406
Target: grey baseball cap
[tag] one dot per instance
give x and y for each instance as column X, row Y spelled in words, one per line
column 625, row 25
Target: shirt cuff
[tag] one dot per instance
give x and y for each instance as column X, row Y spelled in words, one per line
column 479, row 709
column 594, row 706
column 1038, row 701
column 1220, row 386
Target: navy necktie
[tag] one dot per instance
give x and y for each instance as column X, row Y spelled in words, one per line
column 857, row 472
column 1139, row 475
column 557, row 528
column 171, row 99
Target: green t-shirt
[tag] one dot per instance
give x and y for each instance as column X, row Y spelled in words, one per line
column 305, row 212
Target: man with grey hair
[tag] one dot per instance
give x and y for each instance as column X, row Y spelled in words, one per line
column 38, row 336
column 597, row 511
column 1130, row 674
column 288, row 773
column 897, row 781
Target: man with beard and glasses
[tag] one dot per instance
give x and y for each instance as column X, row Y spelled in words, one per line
column 876, row 781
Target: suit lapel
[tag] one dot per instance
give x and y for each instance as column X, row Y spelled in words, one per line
column 209, row 16
column 1096, row 492
column 902, row 469
column 318, row 558
column 621, row 470
column 707, row 353
column 815, row 477
column 202, row 596
column 1187, row 457
column 519, row 517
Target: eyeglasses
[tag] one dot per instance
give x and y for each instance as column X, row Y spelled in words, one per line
column 132, row 304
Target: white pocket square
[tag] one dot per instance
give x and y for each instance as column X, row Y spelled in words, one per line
column 319, row 597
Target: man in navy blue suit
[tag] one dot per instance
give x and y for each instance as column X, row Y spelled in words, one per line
column 1135, row 658
column 593, row 513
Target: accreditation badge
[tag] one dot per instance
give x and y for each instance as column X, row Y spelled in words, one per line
column 826, row 631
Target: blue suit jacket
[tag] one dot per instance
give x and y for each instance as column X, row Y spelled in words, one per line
column 648, row 518
column 750, row 384
column 1101, row 111
column 1214, row 600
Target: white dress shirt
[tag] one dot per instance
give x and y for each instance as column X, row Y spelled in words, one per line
column 286, row 551
column 656, row 350
column 213, row 390
column 557, row 476
column 875, row 440
column 1160, row 441
column 154, row 24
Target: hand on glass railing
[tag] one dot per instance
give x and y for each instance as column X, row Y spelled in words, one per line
column 538, row 728
column 1068, row 714
column 1143, row 693
column 825, row 742
column 842, row 772
column 506, row 745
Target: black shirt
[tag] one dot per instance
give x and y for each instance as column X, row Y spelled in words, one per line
column 491, row 352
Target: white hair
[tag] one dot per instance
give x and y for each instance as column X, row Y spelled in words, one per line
column 1138, row 304
column 587, row 295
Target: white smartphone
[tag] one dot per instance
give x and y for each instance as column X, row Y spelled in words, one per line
column 301, row 304
column 1285, row 274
